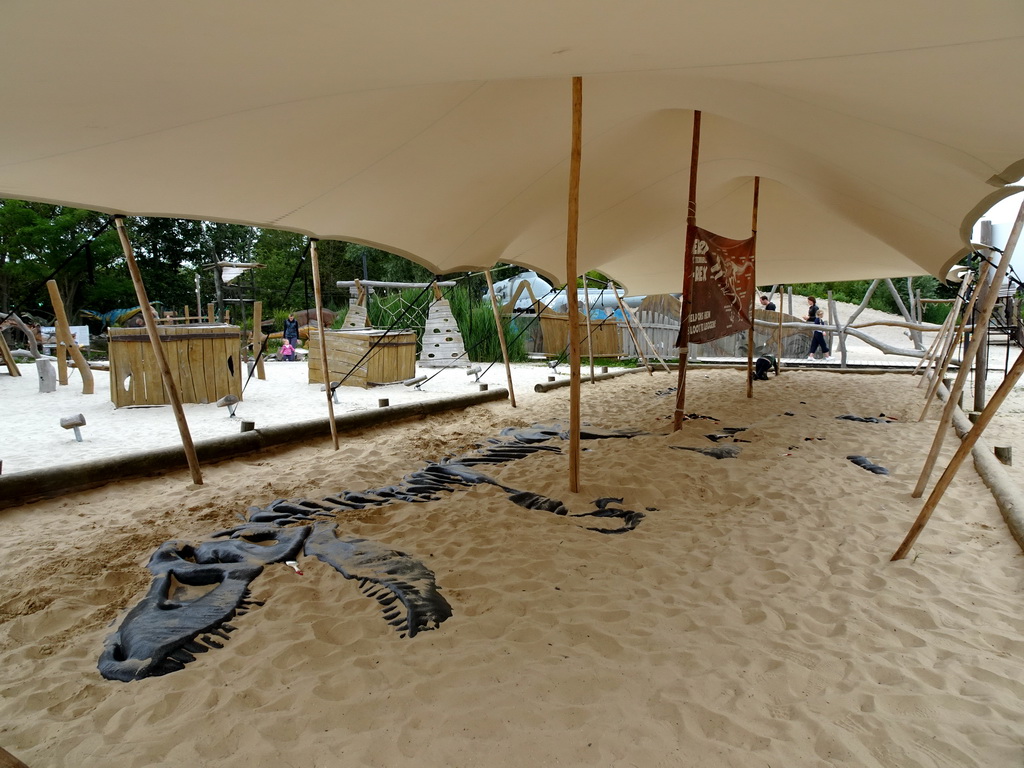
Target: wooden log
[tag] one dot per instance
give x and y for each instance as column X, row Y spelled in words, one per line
column 66, row 341
column 315, row 263
column 966, row 445
column 154, row 338
column 8, row 358
column 572, row 234
column 501, row 336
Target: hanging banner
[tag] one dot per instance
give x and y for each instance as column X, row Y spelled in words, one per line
column 723, row 286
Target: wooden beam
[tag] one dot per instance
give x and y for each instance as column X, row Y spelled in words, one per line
column 67, row 340
column 158, row 353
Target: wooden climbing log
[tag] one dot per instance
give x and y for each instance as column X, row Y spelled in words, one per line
column 66, row 340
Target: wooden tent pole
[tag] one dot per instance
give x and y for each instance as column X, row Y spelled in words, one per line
column 67, row 339
column 753, row 294
column 572, row 234
column 257, row 338
column 590, row 337
column 952, row 343
column 501, row 336
column 636, row 342
column 966, row 445
column 687, row 299
column 779, row 358
column 158, row 352
column 628, row 310
column 938, row 345
column 984, row 315
column 318, row 298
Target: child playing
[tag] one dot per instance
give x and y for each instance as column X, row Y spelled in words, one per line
column 287, row 350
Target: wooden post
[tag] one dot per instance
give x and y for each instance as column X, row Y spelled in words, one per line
column 209, row 313
column 687, row 299
column 66, row 340
column 501, row 337
column 965, row 364
column 628, row 311
column 572, row 235
column 158, row 353
column 590, row 338
column 318, row 298
column 753, row 294
column 257, row 338
column 966, row 445
column 938, row 345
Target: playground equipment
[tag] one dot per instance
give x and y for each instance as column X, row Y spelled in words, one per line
column 203, row 362
column 364, row 357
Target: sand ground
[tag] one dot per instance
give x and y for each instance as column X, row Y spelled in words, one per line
column 753, row 618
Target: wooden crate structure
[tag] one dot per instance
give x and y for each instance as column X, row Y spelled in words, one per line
column 350, row 358
column 604, row 335
column 204, row 361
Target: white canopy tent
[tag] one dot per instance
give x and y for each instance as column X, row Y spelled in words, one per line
column 440, row 131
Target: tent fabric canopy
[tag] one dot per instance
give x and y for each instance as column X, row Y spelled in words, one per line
column 440, row 131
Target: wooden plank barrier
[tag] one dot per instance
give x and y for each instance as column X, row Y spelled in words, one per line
column 393, row 357
column 204, row 361
column 604, row 336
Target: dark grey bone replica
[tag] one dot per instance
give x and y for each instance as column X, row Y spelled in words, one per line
column 198, row 589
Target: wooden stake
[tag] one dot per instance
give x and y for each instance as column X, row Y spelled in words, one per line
column 753, row 294
column 501, row 337
column 158, row 353
column 572, row 235
column 965, row 364
column 966, row 445
column 687, row 300
column 315, row 265
column 67, row 340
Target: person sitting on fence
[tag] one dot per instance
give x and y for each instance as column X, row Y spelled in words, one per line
column 818, row 338
column 287, row 350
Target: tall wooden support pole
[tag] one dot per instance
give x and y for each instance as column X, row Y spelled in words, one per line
column 314, row 261
column 66, row 339
column 984, row 315
column 753, row 293
column 966, row 445
column 779, row 356
column 570, row 279
column 687, row 300
column 501, row 336
column 158, row 352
